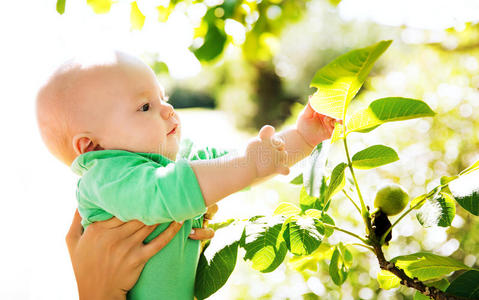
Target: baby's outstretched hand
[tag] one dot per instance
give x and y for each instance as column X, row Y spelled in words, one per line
column 267, row 153
column 313, row 126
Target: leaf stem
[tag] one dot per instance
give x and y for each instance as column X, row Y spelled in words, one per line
column 345, row 231
column 383, row 238
column 352, row 201
column 364, row 211
column 365, row 246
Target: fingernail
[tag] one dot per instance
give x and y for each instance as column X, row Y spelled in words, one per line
column 192, row 231
column 181, row 222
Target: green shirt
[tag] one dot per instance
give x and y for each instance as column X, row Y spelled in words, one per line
column 153, row 189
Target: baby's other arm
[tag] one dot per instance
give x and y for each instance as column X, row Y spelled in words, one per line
column 311, row 129
column 223, row 176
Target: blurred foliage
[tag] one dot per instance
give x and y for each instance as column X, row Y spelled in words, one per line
column 281, row 56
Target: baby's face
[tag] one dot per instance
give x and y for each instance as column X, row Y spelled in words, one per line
column 127, row 110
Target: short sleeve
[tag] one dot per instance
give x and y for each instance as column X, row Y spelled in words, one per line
column 130, row 187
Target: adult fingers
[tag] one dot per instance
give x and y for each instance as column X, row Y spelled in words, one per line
column 201, row 234
column 142, row 233
column 110, row 223
column 211, row 212
column 161, row 240
column 74, row 233
column 130, row 227
column 267, row 131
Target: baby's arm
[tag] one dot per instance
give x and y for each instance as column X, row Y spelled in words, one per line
column 223, row 176
column 129, row 186
column 311, row 129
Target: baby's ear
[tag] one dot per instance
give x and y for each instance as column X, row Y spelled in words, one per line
column 83, row 144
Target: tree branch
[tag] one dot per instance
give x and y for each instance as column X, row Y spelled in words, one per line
column 431, row 292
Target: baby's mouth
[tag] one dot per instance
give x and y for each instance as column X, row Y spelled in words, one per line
column 173, row 131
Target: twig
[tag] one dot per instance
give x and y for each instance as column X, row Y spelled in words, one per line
column 364, row 210
column 365, row 246
column 383, row 238
column 352, row 201
column 431, row 292
column 345, row 231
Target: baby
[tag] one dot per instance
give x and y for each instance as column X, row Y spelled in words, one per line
column 109, row 120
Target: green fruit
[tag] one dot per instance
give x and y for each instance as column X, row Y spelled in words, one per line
column 391, row 199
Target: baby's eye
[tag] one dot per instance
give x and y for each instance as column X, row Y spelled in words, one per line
column 145, row 107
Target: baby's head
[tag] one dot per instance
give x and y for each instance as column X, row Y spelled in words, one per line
column 114, row 103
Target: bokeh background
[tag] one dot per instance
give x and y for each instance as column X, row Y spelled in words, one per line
column 230, row 66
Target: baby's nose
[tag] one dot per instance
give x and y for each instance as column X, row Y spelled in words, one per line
column 167, row 111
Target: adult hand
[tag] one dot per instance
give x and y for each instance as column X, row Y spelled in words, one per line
column 109, row 256
column 205, row 233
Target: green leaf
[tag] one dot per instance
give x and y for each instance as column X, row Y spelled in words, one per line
column 213, row 45
column 328, row 220
column 303, row 235
column 466, row 285
column 387, row 110
column 100, row 6
column 313, row 172
column 447, row 179
column 441, row 284
column 310, row 262
column 137, row 19
column 263, row 245
column 287, row 209
column 307, row 202
column 213, row 273
column 298, row 179
column 465, row 190
column 338, row 132
column 337, row 181
column 388, row 280
column 334, row 2
column 427, row 266
column 339, row 81
column 374, row 156
column 417, row 201
column 340, row 263
column 420, row 200
column 61, row 6
column 438, row 210
column 219, row 225
column 323, row 217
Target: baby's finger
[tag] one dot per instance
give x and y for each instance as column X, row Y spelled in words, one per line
column 284, row 170
column 308, row 110
column 277, row 142
column 266, row 132
column 283, row 156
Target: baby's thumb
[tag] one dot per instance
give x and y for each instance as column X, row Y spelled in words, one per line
column 267, row 131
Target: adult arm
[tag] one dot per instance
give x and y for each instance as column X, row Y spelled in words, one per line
column 109, row 256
